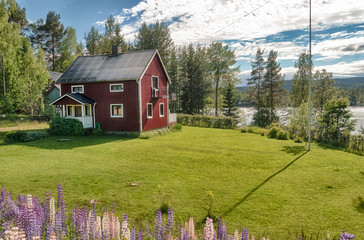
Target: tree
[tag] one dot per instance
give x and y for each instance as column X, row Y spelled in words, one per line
column 273, row 85
column 112, row 36
column 16, row 14
column 54, row 33
column 155, row 36
column 221, row 61
column 67, row 49
column 323, row 89
column 300, row 80
column 256, row 91
column 229, row 104
column 193, row 78
column 298, row 124
column 93, row 39
column 37, row 34
column 174, row 75
column 335, row 123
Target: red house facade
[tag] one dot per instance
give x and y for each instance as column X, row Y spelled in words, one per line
column 122, row 92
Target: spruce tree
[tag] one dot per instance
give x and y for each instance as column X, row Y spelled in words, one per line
column 273, row 85
column 229, row 105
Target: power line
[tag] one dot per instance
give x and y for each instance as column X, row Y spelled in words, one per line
column 223, row 28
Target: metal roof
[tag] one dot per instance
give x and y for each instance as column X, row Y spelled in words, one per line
column 100, row 68
column 78, row 97
column 55, row 75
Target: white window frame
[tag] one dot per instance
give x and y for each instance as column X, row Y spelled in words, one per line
column 147, row 110
column 161, row 104
column 116, row 84
column 74, row 86
column 122, row 110
column 157, row 81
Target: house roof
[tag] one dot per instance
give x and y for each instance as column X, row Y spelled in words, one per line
column 78, row 97
column 55, row 75
column 101, row 68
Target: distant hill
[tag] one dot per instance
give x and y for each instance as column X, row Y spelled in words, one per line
column 342, row 83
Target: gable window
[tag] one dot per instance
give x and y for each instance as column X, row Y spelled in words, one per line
column 155, row 82
column 161, row 109
column 77, row 89
column 149, row 110
column 117, row 87
column 116, row 110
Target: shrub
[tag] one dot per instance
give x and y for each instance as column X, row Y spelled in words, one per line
column 177, row 127
column 24, row 136
column 272, row 133
column 206, row 121
column 243, row 130
column 297, row 140
column 96, row 132
column 282, row 135
column 250, row 130
column 50, row 112
column 66, row 127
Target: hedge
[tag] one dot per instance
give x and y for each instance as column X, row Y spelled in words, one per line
column 206, row 121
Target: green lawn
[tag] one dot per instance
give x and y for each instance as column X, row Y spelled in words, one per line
column 270, row 186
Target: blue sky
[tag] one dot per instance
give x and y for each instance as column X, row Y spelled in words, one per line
column 245, row 25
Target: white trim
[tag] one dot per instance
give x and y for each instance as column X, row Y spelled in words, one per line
column 116, row 84
column 66, row 95
column 73, row 86
column 151, row 59
column 140, row 105
column 122, row 110
column 151, row 79
column 160, row 115
column 94, row 115
column 149, row 117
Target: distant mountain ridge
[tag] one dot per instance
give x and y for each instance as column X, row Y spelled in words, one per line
column 342, row 83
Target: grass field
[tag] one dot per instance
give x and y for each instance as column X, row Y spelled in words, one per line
column 272, row 187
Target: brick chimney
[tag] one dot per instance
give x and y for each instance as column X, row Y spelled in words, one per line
column 116, row 49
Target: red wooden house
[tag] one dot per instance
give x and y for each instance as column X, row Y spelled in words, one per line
column 121, row 92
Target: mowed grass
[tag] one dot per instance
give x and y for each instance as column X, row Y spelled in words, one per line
column 272, row 187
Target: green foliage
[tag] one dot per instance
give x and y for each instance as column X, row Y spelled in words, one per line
column 24, row 136
column 96, row 132
column 66, row 127
column 323, row 89
column 335, row 123
column 206, row 121
column 67, row 49
column 177, row 127
column 300, row 80
column 273, row 132
column 356, row 144
column 229, row 106
column 93, row 38
column 6, row 106
column 298, row 125
column 155, row 36
column 282, row 135
column 50, row 112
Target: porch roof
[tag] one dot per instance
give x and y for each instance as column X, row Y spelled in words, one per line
column 78, row 97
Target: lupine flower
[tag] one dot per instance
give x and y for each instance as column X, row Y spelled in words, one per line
column 158, row 233
column 208, row 231
column 236, row 235
column 169, row 225
column 147, row 231
column 125, row 231
column 244, row 234
column 52, row 212
column 190, row 229
column 140, row 234
column 133, row 234
column 62, row 207
column 230, row 237
column 346, row 236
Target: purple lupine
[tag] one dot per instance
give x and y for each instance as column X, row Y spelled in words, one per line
column 84, row 227
column 62, row 207
column 220, row 229
column 158, row 234
column 147, row 231
column 230, row 237
column 169, row 224
column 133, row 234
column 346, row 236
column 244, row 234
column 140, row 234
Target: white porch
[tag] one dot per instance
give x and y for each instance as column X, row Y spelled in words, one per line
column 82, row 113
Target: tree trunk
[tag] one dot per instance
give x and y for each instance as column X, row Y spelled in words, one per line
column 216, row 93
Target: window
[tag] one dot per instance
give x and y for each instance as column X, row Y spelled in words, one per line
column 117, row 87
column 69, row 111
column 78, row 111
column 87, row 110
column 116, row 110
column 149, row 110
column 155, row 84
column 161, row 109
column 77, row 89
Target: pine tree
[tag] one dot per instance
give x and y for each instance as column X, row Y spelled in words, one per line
column 229, row 105
column 256, row 91
column 221, row 62
column 54, row 33
column 155, row 36
column 300, row 80
column 323, row 89
column 273, row 85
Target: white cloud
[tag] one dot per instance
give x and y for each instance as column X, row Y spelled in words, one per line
column 344, row 69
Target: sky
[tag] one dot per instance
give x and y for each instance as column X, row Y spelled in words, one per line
column 244, row 25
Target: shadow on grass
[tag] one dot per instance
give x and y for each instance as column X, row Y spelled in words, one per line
column 359, row 204
column 295, row 150
column 227, row 212
column 70, row 142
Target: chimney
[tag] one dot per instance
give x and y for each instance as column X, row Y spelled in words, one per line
column 116, row 49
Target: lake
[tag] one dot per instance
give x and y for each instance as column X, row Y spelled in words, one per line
column 284, row 115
